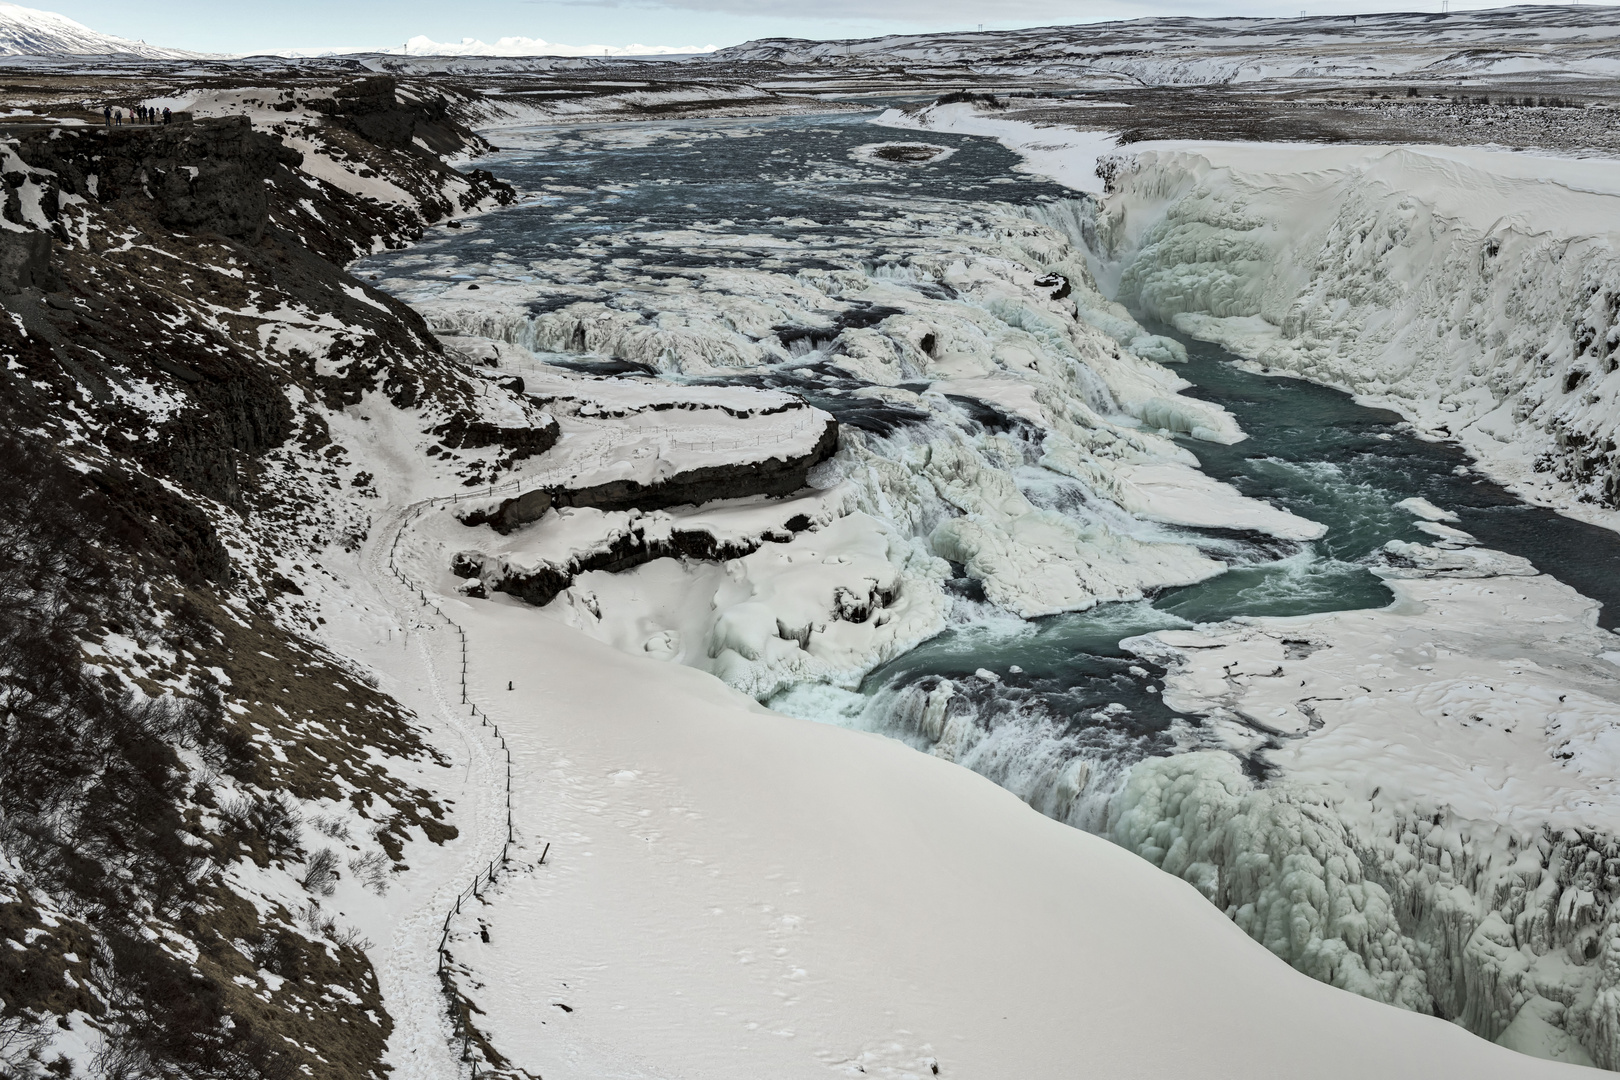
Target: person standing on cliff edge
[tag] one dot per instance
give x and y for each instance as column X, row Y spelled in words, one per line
column 107, row 112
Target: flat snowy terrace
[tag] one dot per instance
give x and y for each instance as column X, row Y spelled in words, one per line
column 733, row 893
column 1479, row 184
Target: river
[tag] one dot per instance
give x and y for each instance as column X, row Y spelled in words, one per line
column 626, row 210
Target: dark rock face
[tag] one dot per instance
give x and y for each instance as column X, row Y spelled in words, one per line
column 541, row 585
column 207, row 196
column 148, row 410
column 202, row 177
column 25, row 261
column 372, row 108
column 776, row 477
column 460, row 433
column 1056, row 282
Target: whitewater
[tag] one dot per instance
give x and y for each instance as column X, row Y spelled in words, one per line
column 1058, row 544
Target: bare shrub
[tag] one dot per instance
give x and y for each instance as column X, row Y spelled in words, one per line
column 22, row 1040
column 272, row 821
column 323, row 925
column 372, row 870
column 317, row 921
column 331, row 825
column 320, row 873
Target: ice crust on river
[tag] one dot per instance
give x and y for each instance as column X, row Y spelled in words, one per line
column 1028, row 446
column 1436, row 825
column 1472, row 290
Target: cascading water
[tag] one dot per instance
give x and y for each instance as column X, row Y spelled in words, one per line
column 986, row 423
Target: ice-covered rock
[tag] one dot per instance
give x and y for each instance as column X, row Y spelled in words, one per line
column 1027, row 444
column 1438, row 828
column 825, row 606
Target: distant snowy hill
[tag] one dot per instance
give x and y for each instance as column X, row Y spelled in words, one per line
column 28, row 31
column 1506, row 41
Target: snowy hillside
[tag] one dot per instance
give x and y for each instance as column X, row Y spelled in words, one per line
column 29, row 31
column 1521, row 40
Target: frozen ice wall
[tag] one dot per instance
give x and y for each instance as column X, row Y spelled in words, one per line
column 1401, row 847
column 1474, row 290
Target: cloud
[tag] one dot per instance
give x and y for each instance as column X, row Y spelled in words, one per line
column 421, row 45
column 526, row 46
column 952, row 14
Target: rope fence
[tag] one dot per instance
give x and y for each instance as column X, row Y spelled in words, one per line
column 455, row 1004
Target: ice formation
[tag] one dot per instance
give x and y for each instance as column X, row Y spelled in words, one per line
column 1440, row 832
column 1436, row 827
column 1005, row 434
column 1470, row 289
column 1003, row 424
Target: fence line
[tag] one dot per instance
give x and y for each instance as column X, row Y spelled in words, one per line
column 454, row 1003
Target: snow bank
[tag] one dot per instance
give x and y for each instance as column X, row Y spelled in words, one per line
column 1063, row 154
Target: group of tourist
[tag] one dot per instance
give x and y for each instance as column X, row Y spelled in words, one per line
column 138, row 114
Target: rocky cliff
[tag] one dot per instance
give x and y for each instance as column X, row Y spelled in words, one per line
column 179, row 340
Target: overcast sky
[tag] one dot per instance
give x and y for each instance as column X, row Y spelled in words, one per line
column 250, row 25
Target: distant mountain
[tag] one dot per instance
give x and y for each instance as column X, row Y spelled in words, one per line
column 27, row 31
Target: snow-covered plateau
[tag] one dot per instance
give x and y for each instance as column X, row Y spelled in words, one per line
column 1510, row 41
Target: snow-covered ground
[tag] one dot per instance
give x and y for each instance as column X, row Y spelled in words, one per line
column 730, row 891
